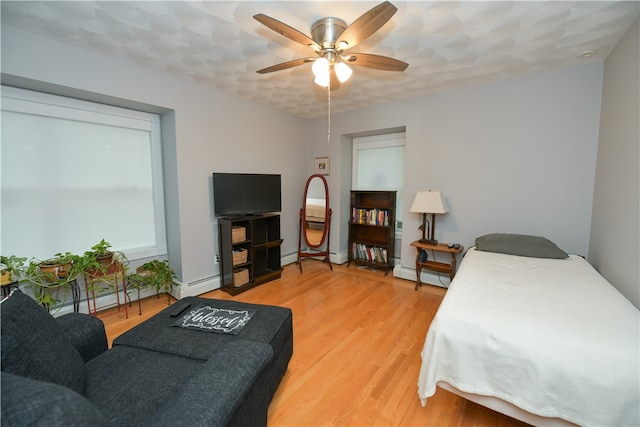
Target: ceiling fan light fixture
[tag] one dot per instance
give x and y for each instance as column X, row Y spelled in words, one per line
column 320, row 67
column 342, row 45
column 322, row 80
column 343, row 71
column 330, row 38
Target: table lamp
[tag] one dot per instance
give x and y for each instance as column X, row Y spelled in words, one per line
column 429, row 202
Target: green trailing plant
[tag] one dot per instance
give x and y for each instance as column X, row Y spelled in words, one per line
column 101, row 260
column 51, row 279
column 12, row 268
column 155, row 274
column 101, row 267
column 101, row 248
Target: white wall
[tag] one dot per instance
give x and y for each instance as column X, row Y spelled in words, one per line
column 206, row 130
column 615, row 236
column 514, row 156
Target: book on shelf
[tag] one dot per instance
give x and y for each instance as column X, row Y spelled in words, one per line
column 370, row 216
column 360, row 251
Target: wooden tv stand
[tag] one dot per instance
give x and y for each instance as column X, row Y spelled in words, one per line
column 261, row 242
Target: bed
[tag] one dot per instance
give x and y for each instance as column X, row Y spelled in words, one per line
column 545, row 340
column 314, row 212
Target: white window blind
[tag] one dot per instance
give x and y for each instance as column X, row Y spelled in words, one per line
column 75, row 172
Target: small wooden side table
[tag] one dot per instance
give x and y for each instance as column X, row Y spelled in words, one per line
column 434, row 265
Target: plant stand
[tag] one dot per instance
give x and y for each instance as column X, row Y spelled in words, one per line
column 8, row 287
column 113, row 279
column 136, row 282
column 62, row 286
column 75, row 295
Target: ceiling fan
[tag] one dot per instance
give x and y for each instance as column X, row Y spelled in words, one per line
column 331, row 38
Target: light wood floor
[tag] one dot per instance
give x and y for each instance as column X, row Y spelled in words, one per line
column 357, row 342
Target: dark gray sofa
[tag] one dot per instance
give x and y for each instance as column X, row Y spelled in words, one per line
column 58, row 371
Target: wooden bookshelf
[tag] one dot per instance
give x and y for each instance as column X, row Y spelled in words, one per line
column 372, row 229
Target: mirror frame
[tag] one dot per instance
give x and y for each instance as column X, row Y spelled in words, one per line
column 325, row 228
column 325, row 232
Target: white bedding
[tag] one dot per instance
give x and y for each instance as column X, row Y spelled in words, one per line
column 552, row 337
column 315, row 209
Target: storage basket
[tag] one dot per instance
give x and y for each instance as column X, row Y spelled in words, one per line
column 238, row 234
column 239, row 256
column 240, row 277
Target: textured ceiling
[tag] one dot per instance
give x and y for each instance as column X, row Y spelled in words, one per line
column 447, row 44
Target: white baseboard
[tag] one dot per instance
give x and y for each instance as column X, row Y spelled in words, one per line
column 289, row 259
column 340, row 257
column 427, row 277
column 198, row 287
column 336, row 258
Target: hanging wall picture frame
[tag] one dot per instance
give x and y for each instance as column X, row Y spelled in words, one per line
column 322, row 165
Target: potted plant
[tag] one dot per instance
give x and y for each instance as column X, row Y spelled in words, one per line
column 58, row 268
column 156, row 274
column 101, row 260
column 11, row 269
column 52, row 278
column 61, row 268
column 103, row 269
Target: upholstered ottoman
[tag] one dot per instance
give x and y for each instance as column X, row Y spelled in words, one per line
column 269, row 324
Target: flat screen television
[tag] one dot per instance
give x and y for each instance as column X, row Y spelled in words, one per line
column 236, row 194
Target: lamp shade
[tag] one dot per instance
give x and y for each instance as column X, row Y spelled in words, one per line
column 320, row 67
column 322, row 80
column 429, row 202
column 342, row 71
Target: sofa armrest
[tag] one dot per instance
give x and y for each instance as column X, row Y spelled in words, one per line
column 86, row 333
column 216, row 395
column 27, row 402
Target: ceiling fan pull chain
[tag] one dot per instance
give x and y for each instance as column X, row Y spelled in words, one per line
column 329, row 112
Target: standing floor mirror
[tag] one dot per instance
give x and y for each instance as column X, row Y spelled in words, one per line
column 315, row 221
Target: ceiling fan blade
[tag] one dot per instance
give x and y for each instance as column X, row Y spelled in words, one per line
column 378, row 62
column 367, row 24
column 287, row 31
column 285, row 65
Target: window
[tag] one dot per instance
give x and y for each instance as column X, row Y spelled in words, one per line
column 75, row 172
column 378, row 164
